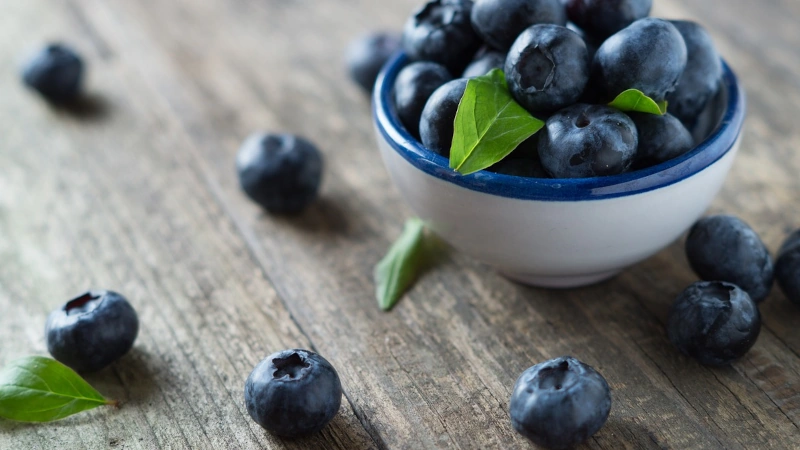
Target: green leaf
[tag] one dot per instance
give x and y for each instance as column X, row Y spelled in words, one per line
column 635, row 100
column 37, row 389
column 401, row 265
column 489, row 124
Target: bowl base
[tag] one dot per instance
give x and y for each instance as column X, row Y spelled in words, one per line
column 552, row 281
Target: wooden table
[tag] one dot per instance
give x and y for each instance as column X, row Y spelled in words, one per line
column 137, row 193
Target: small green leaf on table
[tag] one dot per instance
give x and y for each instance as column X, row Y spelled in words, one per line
column 489, row 124
column 635, row 100
column 402, row 264
column 38, row 389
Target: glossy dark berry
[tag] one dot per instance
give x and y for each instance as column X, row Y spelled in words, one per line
column 787, row 267
column 560, row 403
column 55, row 72
column 649, row 55
column 412, row 89
column 587, row 141
column 522, row 162
column 366, row 56
column 499, row 22
column 484, row 62
column 602, row 18
column 436, row 124
column 661, row 138
column 547, row 68
column 701, row 78
column 92, row 330
column 280, row 172
column 441, row 31
column 714, row 322
column 724, row 248
column 293, row 393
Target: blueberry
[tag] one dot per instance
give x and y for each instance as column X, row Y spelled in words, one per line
column 366, row 56
column 602, row 18
column 499, row 22
column 787, row 267
column 714, row 322
column 293, row 393
column 701, row 78
column 649, row 55
column 440, row 31
column 280, row 172
column 560, row 403
column 436, row 124
column 522, row 162
column 592, row 44
column 412, row 88
column 56, row 72
column 661, row 138
column 484, row 62
column 92, row 330
column 587, row 141
column 547, row 68
column 724, row 248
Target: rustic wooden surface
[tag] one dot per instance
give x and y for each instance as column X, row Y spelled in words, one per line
column 136, row 192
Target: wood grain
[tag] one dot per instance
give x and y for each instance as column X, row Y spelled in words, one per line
column 136, row 192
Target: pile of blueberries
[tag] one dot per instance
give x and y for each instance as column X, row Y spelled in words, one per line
column 562, row 72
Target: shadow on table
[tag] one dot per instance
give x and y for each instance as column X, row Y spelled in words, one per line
column 89, row 107
column 325, row 215
column 132, row 379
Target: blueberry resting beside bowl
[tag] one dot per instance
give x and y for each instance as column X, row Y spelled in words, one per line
column 436, row 123
column 700, row 79
column 367, row 54
column 293, row 393
column 649, row 55
column 280, row 172
column 787, row 267
column 661, row 138
column 560, row 403
column 587, row 141
column 547, row 68
column 55, row 72
column 92, row 330
column 412, row 89
column 602, row 18
column 440, row 31
column 484, row 62
column 714, row 322
column 724, row 248
column 499, row 22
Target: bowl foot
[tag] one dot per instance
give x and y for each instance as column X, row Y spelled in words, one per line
column 555, row 281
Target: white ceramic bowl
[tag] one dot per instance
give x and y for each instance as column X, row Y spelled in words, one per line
column 560, row 232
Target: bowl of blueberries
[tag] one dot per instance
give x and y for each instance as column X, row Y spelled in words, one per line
column 597, row 188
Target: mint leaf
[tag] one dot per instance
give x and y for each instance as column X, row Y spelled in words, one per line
column 635, row 100
column 37, row 389
column 401, row 265
column 489, row 124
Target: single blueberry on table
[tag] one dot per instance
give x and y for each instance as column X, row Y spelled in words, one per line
column 92, row 330
column 499, row 22
column 583, row 141
column 547, row 68
column 648, row 55
column 280, row 172
column 661, row 138
column 413, row 87
column 701, row 78
column 724, row 248
column 602, row 18
column 367, row 54
column 441, row 31
column 293, row 393
column 714, row 322
column 484, row 62
column 55, row 72
column 560, row 403
column 787, row 267
column 436, row 124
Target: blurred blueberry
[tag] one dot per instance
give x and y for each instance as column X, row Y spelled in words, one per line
column 367, row 54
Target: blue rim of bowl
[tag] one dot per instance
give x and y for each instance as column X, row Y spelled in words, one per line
column 703, row 155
